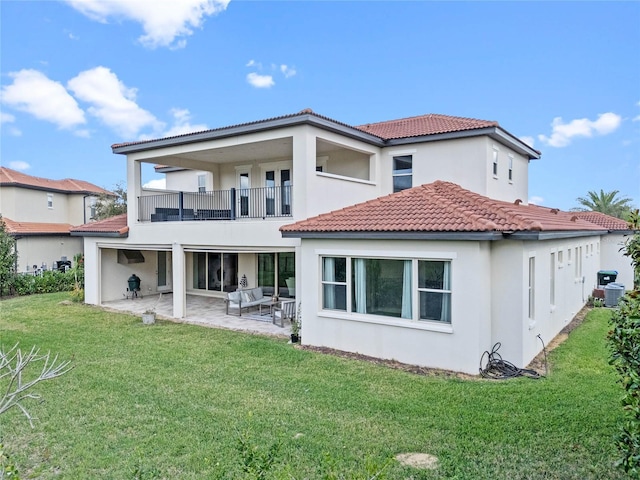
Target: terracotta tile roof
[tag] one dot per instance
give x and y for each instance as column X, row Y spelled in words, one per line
column 403, row 128
column 424, row 125
column 605, row 221
column 10, row 177
column 114, row 225
column 35, row 228
column 441, row 207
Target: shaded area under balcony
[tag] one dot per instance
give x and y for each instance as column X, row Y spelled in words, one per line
column 233, row 204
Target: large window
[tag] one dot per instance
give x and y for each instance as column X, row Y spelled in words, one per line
column 402, row 173
column 381, row 287
column 400, row 288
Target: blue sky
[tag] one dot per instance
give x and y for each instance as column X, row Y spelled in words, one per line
column 79, row 76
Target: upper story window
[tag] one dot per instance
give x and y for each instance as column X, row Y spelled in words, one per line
column 92, row 208
column 49, row 200
column 495, row 162
column 202, row 183
column 402, row 173
column 511, row 168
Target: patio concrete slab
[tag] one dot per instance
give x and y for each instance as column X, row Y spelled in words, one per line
column 204, row 311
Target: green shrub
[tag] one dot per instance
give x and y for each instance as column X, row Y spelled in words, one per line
column 624, row 340
column 49, row 282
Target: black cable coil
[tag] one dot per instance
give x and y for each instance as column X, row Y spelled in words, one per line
column 498, row 369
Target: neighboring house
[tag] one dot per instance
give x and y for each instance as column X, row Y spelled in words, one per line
column 39, row 213
column 429, row 255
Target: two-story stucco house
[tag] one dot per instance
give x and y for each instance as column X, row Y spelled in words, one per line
column 39, row 213
column 408, row 239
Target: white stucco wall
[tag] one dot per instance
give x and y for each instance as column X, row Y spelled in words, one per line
column 114, row 275
column 490, row 301
column 465, row 161
column 512, row 327
column 457, row 346
column 36, row 250
column 612, row 258
column 30, row 205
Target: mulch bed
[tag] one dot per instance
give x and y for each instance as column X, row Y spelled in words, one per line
column 538, row 363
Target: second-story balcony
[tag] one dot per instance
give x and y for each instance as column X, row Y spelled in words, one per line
column 233, row 204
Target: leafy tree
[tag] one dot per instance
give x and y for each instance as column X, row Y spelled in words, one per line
column 8, row 259
column 110, row 206
column 605, row 202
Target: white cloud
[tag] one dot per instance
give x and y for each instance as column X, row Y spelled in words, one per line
column 45, row 99
column 253, row 63
column 181, row 123
column 165, row 24
column 6, row 118
column 536, row 200
column 528, row 140
column 260, row 81
column 287, row 71
column 112, row 102
column 562, row 133
column 158, row 184
column 19, row 165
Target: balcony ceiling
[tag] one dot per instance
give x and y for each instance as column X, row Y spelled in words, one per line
column 276, row 150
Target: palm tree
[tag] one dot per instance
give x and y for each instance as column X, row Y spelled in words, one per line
column 605, row 202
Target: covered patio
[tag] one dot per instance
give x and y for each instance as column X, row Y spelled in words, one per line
column 201, row 310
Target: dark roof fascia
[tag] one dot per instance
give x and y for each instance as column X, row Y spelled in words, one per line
column 100, row 234
column 225, row 132
column 39, row 234
column 554, row 235
column 463, row 236
column 53, row 190
column 495, row 133
column 472, row 236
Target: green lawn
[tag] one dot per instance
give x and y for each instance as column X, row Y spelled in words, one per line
column 180, row 401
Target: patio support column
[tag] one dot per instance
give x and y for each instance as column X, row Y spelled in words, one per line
column 179, row 284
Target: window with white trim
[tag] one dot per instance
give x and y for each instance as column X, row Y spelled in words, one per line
column 334, row 283
column 532, row 288
column 434, row 287
column 202, row 183
column 578, row 263
column 552, row 279
column 495, row 162
column 49, row 200
column 511, row 168
column 387, row 287
column 402, row 172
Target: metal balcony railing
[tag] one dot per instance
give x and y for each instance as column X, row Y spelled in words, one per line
column 234, row 204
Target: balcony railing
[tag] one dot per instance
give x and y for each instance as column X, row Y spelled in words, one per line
column 234, row 204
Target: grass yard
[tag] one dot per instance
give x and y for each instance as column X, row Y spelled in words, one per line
column 187, row 402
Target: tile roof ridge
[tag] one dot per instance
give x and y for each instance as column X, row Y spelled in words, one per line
column 429, row 115
column 443, row 190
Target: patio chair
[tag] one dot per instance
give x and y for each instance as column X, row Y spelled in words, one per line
column 286, row 310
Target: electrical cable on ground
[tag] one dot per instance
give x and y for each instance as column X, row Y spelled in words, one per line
column 498, row 369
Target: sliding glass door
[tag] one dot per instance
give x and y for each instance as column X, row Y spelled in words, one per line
column 214, row 271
